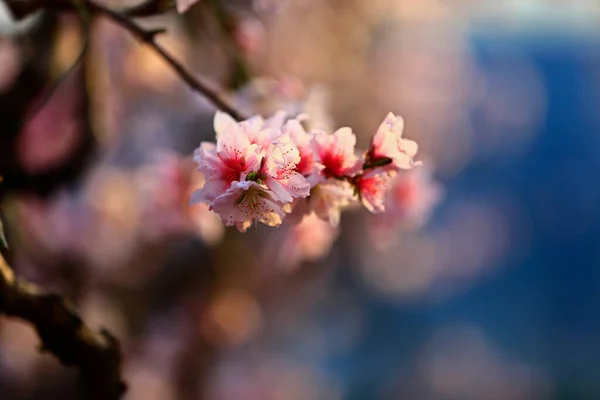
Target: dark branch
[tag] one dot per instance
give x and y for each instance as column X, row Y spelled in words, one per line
column 63, row 333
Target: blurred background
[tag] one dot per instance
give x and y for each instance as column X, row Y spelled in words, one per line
column 488, row 288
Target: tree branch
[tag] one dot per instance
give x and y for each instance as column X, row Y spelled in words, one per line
column 63, row 333
column 147, row 37
column 23, row 8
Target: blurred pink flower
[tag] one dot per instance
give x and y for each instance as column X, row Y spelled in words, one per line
column 246, row 202
column 335, row 153
column 388, row 143
column 163, row 188
column 184, row 5
column 250, row 36
column 412, row 198
column 55, row 131
column 327, row 200
column 310, row 240
column 373, row 187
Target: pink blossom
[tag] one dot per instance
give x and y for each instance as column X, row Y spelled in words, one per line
column 388, row 143
column 310, row 240
column 372, row 188
column 164, row 187
column 258, row 130
column 412, row 198
column 161, row 186
column 232, row 159
column 306, row 164
column 327, row 200
column 279, row 170
column 335, row 153
column 247, row 202
column 250, row 36
column 54, row 133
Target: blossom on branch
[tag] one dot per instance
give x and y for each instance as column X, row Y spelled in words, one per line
column 279, row 170
column 232, row 159
column 372, row 188
column 335, row 153
column 272, row 170
column 246, row 202
column 388, row 143
column 303, row 141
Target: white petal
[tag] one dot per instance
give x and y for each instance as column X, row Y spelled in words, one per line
column 222, row 121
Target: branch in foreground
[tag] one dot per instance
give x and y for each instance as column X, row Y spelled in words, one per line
column 21, row 9
column 63, row 333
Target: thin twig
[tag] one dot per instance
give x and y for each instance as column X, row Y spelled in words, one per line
column 63, row 333
column 21, row 9
column 147, row 37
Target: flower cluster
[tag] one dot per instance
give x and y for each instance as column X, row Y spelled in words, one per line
column 273, row 170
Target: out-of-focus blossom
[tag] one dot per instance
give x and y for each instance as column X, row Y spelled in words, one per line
column 246, row 202
column 449, row 257
column 233, row 317
column 388, row 143
column 373, row 187
column 164, row 187
column 265, row 376
column 412, row 198
column 150, row 371
column 54, row 131
column 184, row 5
column 250, row 37
column 335, row 153
column 461, row 363
column 308, row 241
column 327, row 200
